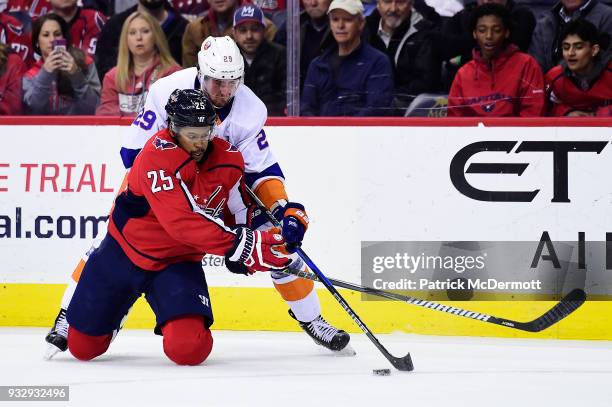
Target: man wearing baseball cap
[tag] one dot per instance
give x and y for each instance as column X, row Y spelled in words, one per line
column 265, row 61
column 351, row 78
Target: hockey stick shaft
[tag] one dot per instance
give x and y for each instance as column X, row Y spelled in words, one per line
column 403, row 364
column 562, row 309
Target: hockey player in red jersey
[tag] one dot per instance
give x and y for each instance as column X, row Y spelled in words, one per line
column 241, row 117
column 184, row 191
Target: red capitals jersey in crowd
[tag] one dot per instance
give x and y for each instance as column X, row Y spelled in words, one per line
column 172, row 208
column 566, row 95
column 35, row 8
column 12, row 33
column 85, row 29
column 512, row 84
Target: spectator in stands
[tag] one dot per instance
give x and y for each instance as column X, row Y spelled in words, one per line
column 144, row 57
column 315, row 35
column 546, row 43
column 582, row 84
column 401, row 32
column 351, row 78
column 265, row 62
column 458, row 42
column 85, row 25
column 172, row 24
column 12, row 69
column 13, row 33
column 500, row 80
column 218, row 23
column 64, row 81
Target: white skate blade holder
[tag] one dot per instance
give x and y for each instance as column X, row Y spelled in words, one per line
column 50, row 351
column 347, row 351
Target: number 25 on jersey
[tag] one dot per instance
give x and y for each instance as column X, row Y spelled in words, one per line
column 160, row 181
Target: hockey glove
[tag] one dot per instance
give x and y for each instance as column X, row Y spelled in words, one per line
column 254, row 250
column 295, row 222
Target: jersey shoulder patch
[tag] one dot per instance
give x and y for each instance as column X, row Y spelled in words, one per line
column 161, row 144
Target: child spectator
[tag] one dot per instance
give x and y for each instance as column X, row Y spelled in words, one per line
column 12, row 69
column 85, row 25
column 143, row 58
column 349, row 79
column 500, row 80
column 458, row 42
column 217, row 23
column 172, row 24
column 13, row 33
column 64, row 81
column 265, row 62
column 546, row 45
column 582, row 84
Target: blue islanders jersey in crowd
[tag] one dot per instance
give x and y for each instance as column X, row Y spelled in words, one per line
column 241, row 123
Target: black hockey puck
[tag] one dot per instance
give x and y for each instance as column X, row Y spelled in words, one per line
column 381, row 372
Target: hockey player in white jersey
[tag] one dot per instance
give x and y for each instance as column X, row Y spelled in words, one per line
column 242, row 116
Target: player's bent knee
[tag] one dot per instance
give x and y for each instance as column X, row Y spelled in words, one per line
column 87, row 347
column 187, row 341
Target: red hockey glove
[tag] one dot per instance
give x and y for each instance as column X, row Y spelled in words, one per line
column 255, row 250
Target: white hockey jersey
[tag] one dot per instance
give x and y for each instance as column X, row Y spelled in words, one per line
column 242, row 122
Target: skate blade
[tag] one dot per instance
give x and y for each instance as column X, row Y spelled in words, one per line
column 346, row 352
column 51, row 351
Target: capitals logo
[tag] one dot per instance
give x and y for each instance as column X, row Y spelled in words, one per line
column 488, row 108
column 162, row 144
column 488, row 102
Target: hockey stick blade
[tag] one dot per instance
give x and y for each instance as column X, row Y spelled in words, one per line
column 570, row 303
column 403, row 364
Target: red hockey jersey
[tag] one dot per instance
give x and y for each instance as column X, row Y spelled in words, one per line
column 85, row 29
column 13, row 34
column 35, row 8
column 512, row 85
column 566, row 95
column 10, row 86
column 172, row 208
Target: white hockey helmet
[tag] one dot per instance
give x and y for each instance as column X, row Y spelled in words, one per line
column 3, row 5
column 220, row 58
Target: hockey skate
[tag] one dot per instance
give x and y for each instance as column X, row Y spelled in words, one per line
column 327, row 335
column 57, row 338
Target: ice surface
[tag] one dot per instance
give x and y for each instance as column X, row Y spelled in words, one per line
column 287, row 369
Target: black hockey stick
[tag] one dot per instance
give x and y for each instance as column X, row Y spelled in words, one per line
column 568, row 304
column 403, row 364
